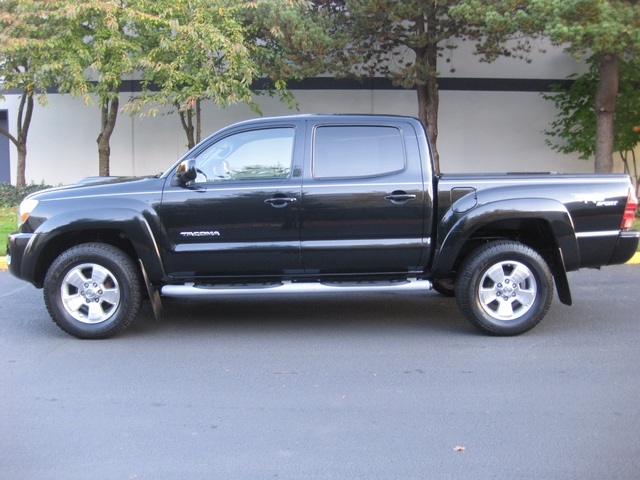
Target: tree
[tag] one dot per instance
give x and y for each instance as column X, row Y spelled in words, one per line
column 402, row 41
column 195, row 50
column 27, row 62
column 574, row 129
column 607, row 31
column 198, row 50
column 99, row 50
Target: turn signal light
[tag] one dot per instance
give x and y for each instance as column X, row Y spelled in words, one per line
column 629, row 211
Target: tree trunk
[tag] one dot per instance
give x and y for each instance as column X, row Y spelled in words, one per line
column 198, row 122
column 605, row 112
column 427, row 82
column 109, row 117
column 21, row 179
column 428, row 98
column 20, row 140
column 186, row 118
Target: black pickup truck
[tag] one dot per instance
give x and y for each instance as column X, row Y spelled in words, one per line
column 318, row 203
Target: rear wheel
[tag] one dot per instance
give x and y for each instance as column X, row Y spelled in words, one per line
column 504, row 288
column 93, row 291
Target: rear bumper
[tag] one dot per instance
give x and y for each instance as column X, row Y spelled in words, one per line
column 626, row 247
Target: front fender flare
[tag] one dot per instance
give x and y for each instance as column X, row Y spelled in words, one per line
column 134, row 223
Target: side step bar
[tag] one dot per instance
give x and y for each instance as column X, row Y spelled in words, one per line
column 288, row 288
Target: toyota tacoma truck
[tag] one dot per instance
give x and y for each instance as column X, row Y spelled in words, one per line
column 318, row 203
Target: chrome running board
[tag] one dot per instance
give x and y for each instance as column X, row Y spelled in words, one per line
column 288, row 288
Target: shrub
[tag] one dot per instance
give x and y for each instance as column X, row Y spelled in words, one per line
column 11, row 196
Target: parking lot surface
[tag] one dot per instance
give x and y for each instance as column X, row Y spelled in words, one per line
column 372, row 386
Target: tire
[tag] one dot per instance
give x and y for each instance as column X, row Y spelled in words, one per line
column 445, row 287
column 93, row 291
column 504, row 288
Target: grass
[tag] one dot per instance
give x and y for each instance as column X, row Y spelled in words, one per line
column 8, row 224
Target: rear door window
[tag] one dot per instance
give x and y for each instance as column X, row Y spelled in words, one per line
column 351, row 151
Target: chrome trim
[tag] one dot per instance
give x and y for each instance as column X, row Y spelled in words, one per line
column 288, row 288
column 357, row 244
column 609, row 233
column 246, row 247
column 362, row 184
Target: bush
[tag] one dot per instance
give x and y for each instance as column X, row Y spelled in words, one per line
column 11, row 196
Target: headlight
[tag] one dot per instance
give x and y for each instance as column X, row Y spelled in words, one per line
column 26, row 207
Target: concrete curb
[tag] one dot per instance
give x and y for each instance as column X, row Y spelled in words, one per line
column 635, row 260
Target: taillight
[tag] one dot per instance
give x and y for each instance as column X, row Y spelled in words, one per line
column 629, row 211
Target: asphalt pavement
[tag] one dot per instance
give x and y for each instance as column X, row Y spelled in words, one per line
column 371, row 386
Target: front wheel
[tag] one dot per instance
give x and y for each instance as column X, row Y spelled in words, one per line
column 93, row 291
column 504, row 288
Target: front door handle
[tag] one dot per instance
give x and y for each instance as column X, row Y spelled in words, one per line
column 400, row 197
column 280, row 202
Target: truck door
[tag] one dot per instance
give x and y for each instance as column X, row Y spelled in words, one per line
column 241, row 214
column 363, row 200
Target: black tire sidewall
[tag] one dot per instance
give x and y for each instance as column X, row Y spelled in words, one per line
column 114, row 260
column 473, row 271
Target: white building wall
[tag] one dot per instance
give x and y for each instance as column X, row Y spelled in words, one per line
column 479, row 130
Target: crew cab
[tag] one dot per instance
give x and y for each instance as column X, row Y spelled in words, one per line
column 318, row 203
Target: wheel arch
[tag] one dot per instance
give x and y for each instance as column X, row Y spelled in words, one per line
column 542, row 224
column 125, row 229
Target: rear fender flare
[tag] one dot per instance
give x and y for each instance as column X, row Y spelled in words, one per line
column 456, row 228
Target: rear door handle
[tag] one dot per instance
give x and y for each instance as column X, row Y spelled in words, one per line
column 400, row 197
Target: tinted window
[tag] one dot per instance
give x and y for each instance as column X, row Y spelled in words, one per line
column 357, row 151
column 253, row 155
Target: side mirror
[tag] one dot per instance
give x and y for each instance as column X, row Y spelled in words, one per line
column 186, row 172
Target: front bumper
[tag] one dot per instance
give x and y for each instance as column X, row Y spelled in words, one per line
column 17, row 245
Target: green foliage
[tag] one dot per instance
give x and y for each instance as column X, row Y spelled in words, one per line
column 595, row 26
column 191, row 51
column 574, row 129
column 29, row 64
column 11, row 196
column 8, row 224
column 28, row 57
column 98, row 46
column 194, row 50
column 363, row 38
column 402, row 41
column 608, row 31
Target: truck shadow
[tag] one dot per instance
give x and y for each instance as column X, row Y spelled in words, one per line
column 316, row 312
